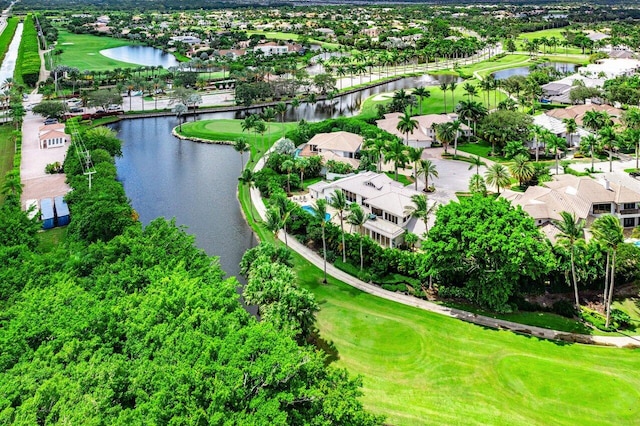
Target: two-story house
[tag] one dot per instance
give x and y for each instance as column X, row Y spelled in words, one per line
column 384, row 199
column 425, row 134
column 336, row 146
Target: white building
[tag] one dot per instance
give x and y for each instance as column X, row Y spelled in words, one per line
column 53, row 136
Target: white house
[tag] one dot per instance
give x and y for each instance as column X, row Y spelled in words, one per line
column 384, row 199
column 337, row 146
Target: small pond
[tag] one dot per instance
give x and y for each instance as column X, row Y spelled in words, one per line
column 563, row 67
column 141, row 55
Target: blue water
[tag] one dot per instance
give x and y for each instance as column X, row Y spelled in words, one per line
column 296, row 153
column 637, row 244
column 310, row 209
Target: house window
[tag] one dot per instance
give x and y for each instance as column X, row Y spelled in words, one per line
column 601, row 208
column 629, row 222
column 351, row 197
column 376, row 211
column 391, row 218
column 629, row 206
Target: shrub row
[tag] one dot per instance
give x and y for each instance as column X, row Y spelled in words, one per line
column 28, row 63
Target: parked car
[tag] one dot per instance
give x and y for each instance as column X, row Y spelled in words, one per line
column 75, row 109
column 114, row 108
column 50, row 120
column 635, row 174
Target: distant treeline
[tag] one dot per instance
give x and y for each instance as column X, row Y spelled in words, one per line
column 157, row 5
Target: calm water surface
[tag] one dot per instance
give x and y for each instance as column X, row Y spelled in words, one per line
column 195, row 183
column 9, row 62
column 141, row 55
column 560, row 66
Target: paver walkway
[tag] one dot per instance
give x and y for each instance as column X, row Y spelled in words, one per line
column 543, row 333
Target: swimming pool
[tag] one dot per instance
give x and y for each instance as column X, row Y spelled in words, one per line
column 310, row 209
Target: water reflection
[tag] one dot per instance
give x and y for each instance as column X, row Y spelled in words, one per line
column 141, row 55
column 563, row 67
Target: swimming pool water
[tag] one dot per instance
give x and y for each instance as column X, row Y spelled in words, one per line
column 310, row 209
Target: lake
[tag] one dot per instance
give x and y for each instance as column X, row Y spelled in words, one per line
column 141, row 55
column 564, row 67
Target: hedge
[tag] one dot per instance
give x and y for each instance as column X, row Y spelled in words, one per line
column 28, row 63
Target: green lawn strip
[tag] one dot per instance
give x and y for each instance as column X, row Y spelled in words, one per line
column 82, row 51
column 631, row 306
column 405, row 180
column 7, row 36
column 480, row 149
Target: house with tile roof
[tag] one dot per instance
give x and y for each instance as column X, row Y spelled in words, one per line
column 337, row 146
column 425, row 134
column 53, row 136
column 384, row 199
column 584, row 197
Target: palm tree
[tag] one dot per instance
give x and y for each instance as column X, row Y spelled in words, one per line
column 294, row 105
column 320, row 210
column 287, row 166
column 591, row 142
column 452, row 87
column 284, row 208
column 498, row 176
column 395, row 153
column 571, row 230
column 339, row 202
column 607, row 230
column 555, row 144
column 241, row 146
column 522, row 169
column 268, row 115
column 609, row 139
column 455, row 127
column 301, row 164
column 471, row 112
column 407, row 124
column 427, row 169
column 179, row 110
column 247, row 178
column 357, row 217
column 421, row 92
column 571, row 127
column 273, row 221
column 446, row 134
column 249, row 123
column 415, row 154
column 420, row 210
column 477, row 185
column 281, row 109
column 444, row 87
column 476, row 162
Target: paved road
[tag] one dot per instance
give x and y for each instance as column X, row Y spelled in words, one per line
column 543, row 333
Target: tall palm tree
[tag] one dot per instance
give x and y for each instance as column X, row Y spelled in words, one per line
column 591, row 142
column 421, row 93
column 288, row 165
column 607, row 230
column 247, row 178
column 320, row 210
column 407, row 124
column 357, row 217
column 555, row 144
column 339, row 202
column 471, row 112
column 284, row 208
column 268, row 115
column 498, row 176
column 376, row 146
column 421, row 210
column 571, row 230
column 609, row 139
column 281, row 109
column 571, row 127
column 241, row 146
column 444, row 87
column 455, row 127
column 414, row 155
column 522, row 169
column 395, row 152
column 452, row 87
column 273, row 221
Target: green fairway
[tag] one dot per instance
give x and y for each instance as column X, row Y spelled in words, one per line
column 231, row 130
column 423, row 368
column 82, row 51
column 552, row 32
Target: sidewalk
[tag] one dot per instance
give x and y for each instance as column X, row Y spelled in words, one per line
column 543, row 333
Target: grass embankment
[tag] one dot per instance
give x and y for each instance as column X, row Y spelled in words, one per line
column 82, row 51
column 7, row 36
column 7, row 151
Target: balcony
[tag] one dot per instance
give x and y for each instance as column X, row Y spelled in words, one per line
column 629, row 211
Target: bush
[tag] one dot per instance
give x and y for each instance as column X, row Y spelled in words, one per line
column 564, row 308
column 620, row 318
column 28, row 63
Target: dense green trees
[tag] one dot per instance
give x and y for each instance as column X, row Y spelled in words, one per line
column 488, row 249
column 28, row 62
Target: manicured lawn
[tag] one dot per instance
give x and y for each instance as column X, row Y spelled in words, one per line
column 82, row 51
column 481, row 149
column 423, row 368
column 51, row 238
column 552, row 32
column 231, row 130
column 405, row 180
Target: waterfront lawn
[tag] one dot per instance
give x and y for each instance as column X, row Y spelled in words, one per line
column 231, row 130
column 82, row 51
column 423, row 368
